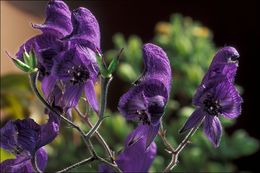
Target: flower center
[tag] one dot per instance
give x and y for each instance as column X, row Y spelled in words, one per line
column 78, row 74
column 211, row 106
column 143, row 117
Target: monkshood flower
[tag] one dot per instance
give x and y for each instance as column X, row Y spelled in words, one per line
column 145, row 102
column 58, row 19
column 135, row 157
column 78, row 71
column 63, row 33
column 77, row 67
column 86, row 30
column 47, row 45
column 26, row 135
column 224, row 66
column 216, row 97
column 23, row 163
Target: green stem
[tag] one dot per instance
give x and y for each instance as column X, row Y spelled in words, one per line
column 104, row 89
column 175, row 153
column 98, row 135
column 78, row 164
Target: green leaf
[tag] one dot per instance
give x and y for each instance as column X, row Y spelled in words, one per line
column 126, row 72
column 4, row 155
column 244, row 144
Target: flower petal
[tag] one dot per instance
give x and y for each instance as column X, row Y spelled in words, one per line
column 58, row 19
column 19, row 164
column 72, row 95
column 195, row 118
column 147, row 132
column 8, row 136
column 156, row 107
column 28, row 133
column 136, row 98
column 213, row 129
column 41, row 158
column 152, row 132
column 157, row 65
column 48, row 133
column 136, row 157
column 229, row 100
column 85, row 29
column 22, row 163
column 91, row 95
column 48, row 84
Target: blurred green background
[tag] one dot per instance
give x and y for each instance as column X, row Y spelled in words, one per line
column 190, row 47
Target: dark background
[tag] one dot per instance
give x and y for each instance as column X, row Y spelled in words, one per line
column 232, row 22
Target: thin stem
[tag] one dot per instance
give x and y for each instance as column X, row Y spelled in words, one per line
column 181, row 146
column 97, row 134
column 35, row 165
column 162, row 134
column 78, row 164
column 115, row 167
column 33, row 80
column 104, row 89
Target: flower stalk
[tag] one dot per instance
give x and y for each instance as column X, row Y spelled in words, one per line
column 105, row 82
column 175, row 152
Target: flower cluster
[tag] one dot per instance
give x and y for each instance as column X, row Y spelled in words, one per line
column 216, row 96
column 66, row 60
column 67, row 66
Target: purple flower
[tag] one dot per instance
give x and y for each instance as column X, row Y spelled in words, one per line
column 135, row 157
column 65, row 33
column 58, row 19
column 216, row 96
column 145, row 102
column 224, row 66
column 26, row 135
column 78, row 70
column 86, row 30
column 22, row 162
column 47, row 45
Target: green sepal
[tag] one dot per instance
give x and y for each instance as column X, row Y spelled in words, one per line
column 113, row 65
column 30, row 59
column 33, row 62
column 103, row 70
column 21, row 65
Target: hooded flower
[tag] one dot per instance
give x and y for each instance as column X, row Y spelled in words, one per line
column 63, row 33
column 23, row 164
column 58, row 19
column 224, row 66
column 217, row 96
column 78, row 71
column 135, row 157
column 145, row 102
column 26, row 135
column 86, row 30
column 47, row 45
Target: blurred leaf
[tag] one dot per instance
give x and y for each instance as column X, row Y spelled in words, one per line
column 4, row 155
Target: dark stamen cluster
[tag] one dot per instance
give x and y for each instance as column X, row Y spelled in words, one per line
column 78, row 74
column 143, row 117
column 211, row 106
